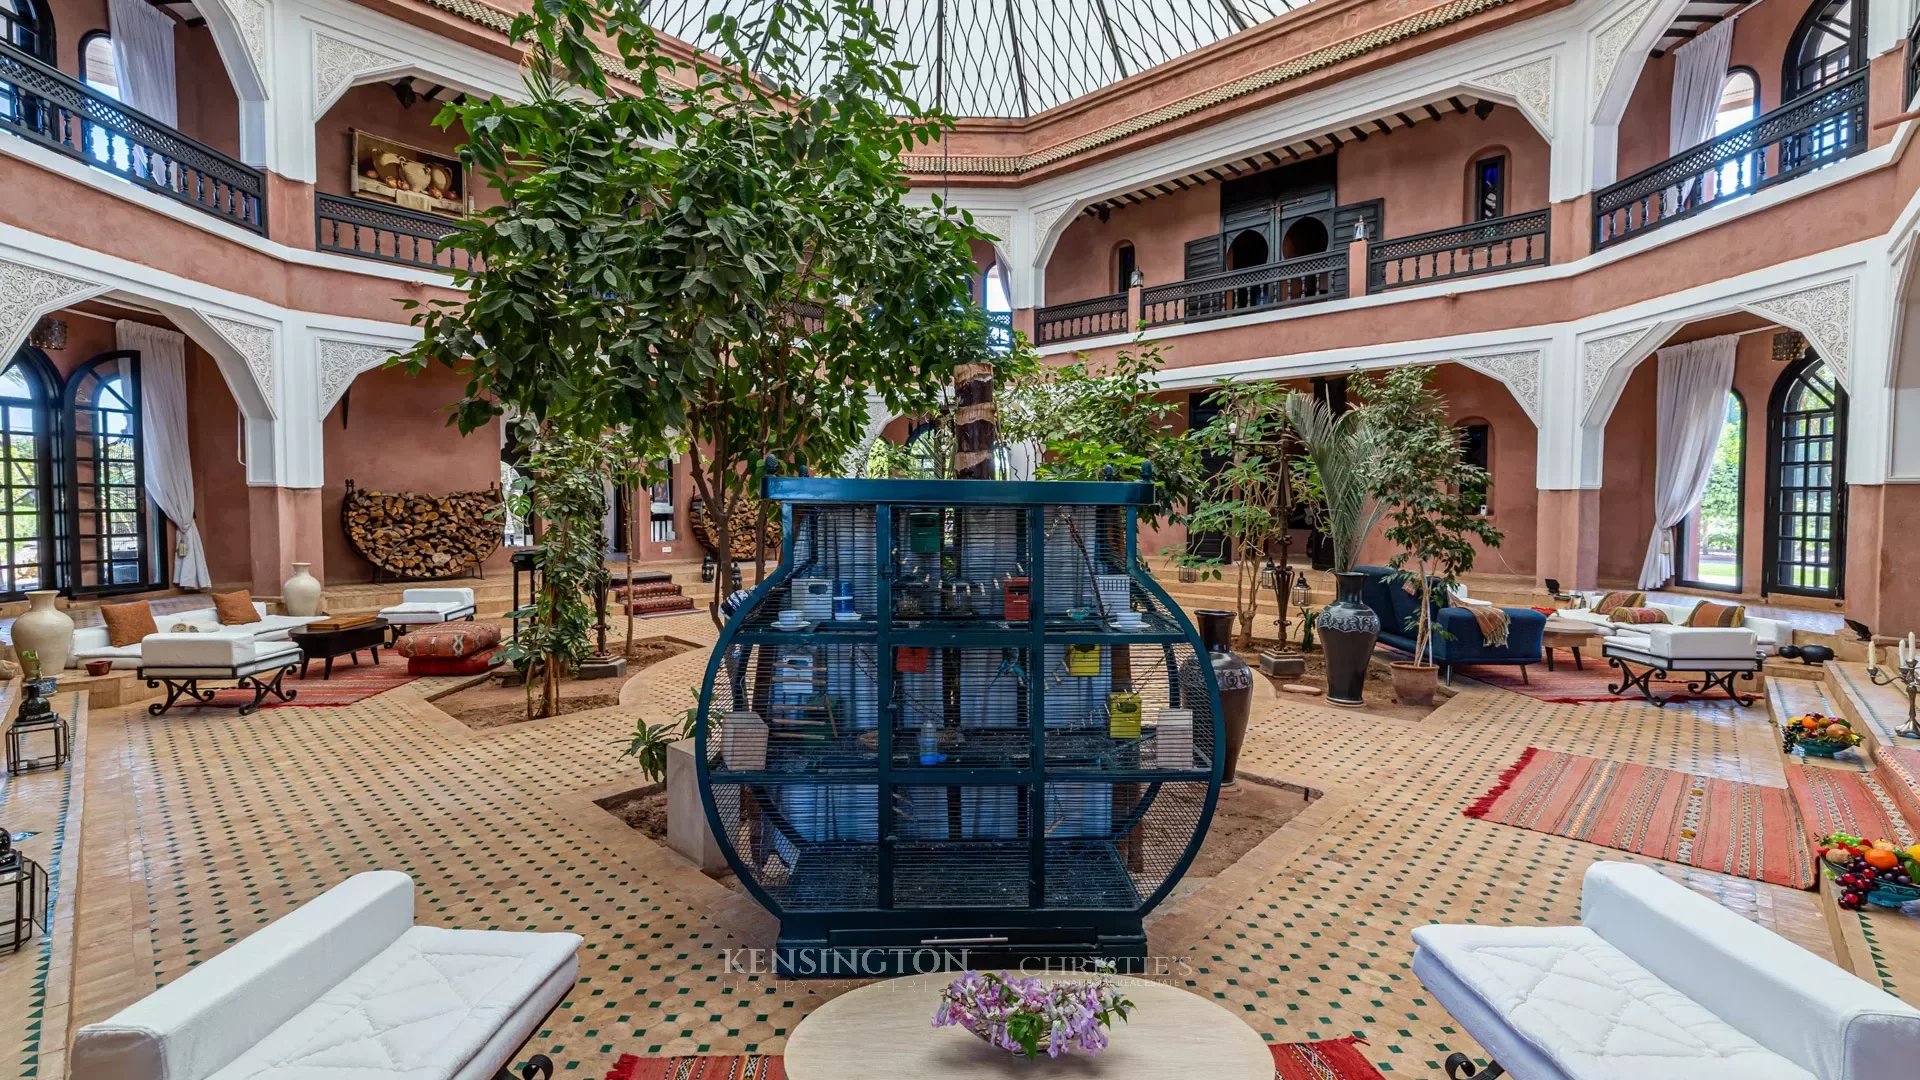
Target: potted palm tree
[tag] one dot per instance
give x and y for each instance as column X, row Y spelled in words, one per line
column 1431, row 498
column 1332, row 480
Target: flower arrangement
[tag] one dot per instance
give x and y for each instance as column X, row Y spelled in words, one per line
column 1877, row 872
column 1819, row 735
column 1028, row 1016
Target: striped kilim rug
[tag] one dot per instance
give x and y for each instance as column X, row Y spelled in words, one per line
column 1747, row 830
column 349, row 684
column 1336, row 1059
column 1842, row 801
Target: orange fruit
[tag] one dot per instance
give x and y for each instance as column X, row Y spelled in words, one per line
column 1809, row 723
column 1881, row 859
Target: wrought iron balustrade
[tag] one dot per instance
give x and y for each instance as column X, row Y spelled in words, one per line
column 1913, row 61
column 387, row 233
column 1309, row 279
column 1482, row 247
column 58, row 111
column 1810, row 132
column 1081, row 319
column 999, row 332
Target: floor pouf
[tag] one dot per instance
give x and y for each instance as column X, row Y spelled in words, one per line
column 429, row 647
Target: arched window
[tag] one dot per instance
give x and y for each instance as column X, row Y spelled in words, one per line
column 1739, row 103
column 1713, row 539
column 110, row 534
column 1488, row 187
column 1829, row 44
column 27, row 464
column 1124, row 265
column 1806, row 485
column 96, row 64
column 997, row 297
column 27, row 25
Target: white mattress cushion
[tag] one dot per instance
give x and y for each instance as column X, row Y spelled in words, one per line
column 420, row 1010
column 1594, row 1012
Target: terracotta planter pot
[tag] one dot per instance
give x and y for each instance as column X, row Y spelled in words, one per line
column 1414, row 684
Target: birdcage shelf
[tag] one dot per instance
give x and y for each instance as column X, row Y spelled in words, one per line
column 960, row 719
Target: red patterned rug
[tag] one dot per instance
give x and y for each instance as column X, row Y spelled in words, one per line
column 1336, row 1059
column 1566, row 683
column 348, row 685
column 1839, row 801
column 1746, row 830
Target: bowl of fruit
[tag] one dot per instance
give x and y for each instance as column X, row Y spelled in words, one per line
column 1877, row 872
column 1819, row 736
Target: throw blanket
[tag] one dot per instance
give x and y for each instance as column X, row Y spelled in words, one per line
column 1493, row 622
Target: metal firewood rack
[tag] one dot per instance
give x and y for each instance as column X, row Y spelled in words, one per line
column 983, row 733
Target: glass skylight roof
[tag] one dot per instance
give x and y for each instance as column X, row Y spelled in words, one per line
column 1013, row 58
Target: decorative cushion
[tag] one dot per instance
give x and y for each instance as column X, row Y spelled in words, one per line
column 235, row 607
column 128, row 623
column 1620, row 599
column 1636, row 615
column 454, row 639
column 1711, row 614
column 477, row 664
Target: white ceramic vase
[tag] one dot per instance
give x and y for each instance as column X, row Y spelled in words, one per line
column 46, row 630
column 301, row 594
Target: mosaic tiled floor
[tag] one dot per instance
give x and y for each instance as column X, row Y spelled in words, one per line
column 199, row 830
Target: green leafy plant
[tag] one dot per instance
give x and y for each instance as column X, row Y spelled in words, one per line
column 1331, row 477
column 725, row 259
column 649, row 744
column 1246, row 503
column 1430, row 495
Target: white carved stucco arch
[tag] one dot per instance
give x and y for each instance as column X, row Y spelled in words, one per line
column 1527, row 87
column 342, row 360
column 27, row 293
column 1518, row 371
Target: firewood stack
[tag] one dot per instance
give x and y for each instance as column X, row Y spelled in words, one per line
column 422, row 537
column 743, row 512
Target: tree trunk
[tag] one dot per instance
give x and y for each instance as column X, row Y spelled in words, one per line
column 633, row 552
column 975, row 422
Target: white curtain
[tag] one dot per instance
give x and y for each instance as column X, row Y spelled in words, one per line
column 163, row 440
column 142, row 38
column 1692, row 408
column 1699, row 77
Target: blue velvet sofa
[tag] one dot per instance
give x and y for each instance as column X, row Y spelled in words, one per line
column 1460, row 644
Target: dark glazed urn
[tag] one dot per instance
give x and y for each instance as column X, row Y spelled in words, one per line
column 1236, row 685
column 1348, row 631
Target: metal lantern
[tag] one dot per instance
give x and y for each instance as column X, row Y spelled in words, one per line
column 707, row 568
column 25, row 882
column 938, row 771
column 39, row 737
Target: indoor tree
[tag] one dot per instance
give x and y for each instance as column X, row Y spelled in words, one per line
column 1429, row 493
column 715, row 250
column 1246, row 503
column 1330, row 477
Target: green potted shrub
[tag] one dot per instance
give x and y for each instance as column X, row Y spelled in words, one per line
column 1431, row 498
column 1331, row 480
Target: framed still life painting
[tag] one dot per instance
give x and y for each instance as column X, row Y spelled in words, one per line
column 407, row 176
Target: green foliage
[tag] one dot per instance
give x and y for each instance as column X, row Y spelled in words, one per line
column 563, row 483
column 1430, row 495
column 1246, row 503
column 929, row 453
column 650, row 741
column 1719, row 514
column 1331, row 478
column 1088, row 419
column 732, row 267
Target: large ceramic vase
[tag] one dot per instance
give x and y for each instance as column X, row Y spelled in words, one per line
column 1348, row 630
column 1236, row 685
column 46, row 631
column 301, row 594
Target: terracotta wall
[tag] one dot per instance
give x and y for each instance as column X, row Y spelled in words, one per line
column 1083, row 264
column 1759, row 43
column 208, row 108
column 395, row 438
column 1423, row 171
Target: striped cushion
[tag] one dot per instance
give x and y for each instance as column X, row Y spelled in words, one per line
column 1618, row 599
column 1711, row 614
column 1637, row 615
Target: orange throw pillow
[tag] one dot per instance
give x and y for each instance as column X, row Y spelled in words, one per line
column 1707, row 613
column 235, row 608
column 128, row 623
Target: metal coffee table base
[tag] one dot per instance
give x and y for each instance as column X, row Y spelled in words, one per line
column 1713, row 675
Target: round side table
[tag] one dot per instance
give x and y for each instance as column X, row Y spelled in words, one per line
column 884, row 1031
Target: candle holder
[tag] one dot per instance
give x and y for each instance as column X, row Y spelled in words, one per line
column 1907, row 678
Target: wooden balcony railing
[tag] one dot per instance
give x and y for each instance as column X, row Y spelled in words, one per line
column 1309, row 279
column 1807, row 133
column 387, row 233
column 52, row 108
column 1482, row 247
column 1081, row 319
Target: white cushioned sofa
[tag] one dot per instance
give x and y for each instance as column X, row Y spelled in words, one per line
column 92, row 643
column 1769, row 634
column 1659, row 983
column 426, row 607
column 344, row 986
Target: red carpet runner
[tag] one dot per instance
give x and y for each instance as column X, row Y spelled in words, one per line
column 1337, row 1059
column 1746, row 830
column 348, row 685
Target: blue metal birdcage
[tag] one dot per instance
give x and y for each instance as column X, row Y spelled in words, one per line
column 959, row 718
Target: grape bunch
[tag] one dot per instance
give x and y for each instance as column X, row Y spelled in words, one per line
column 1859, row 878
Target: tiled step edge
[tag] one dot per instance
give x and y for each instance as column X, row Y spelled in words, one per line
column 1876, row 711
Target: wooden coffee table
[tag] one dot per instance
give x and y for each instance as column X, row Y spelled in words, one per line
column 883, row 1031
column 347, row 641
column 1569, row 634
